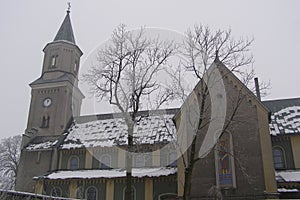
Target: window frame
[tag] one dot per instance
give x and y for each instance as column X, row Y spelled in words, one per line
column 55, row 188
column 75, row 69
column 282, row 157
column 81, row 190
column 86, row 192
column 102, row 165
column 134, row 192
column 70, row 162
column 231, row 161
column 174, row 163
column 53, row 61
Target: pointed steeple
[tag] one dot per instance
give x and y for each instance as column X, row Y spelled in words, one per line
column 65, row 31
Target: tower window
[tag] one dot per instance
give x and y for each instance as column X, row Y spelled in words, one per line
column 38, row 159
column 45, row 122
column 75, row 66
column 53, row 61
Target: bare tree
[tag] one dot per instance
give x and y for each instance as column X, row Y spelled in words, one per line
column 203, row 50
column 9, row 158
column 127, row 75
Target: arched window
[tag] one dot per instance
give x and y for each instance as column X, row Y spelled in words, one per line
column 56, row 192
column 139, row 161
column 74, row 163
column 105, row 162
column 224, row 162
column 173, row 159
column 133, row 193
column 91, row 193
column 45, row 122
column 278, row 156
column 79, row 193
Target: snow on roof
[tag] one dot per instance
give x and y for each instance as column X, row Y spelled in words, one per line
column 27, row 195
column 285, row 121
column 42, row 142
column 110, row 173
column 287, row 190
column 109, row 132
column 288, row 176
column 43, row 145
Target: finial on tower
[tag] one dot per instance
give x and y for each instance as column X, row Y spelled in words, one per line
column 217, row 54
column 69, row 7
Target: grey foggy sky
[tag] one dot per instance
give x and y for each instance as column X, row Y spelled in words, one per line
column 27, row 26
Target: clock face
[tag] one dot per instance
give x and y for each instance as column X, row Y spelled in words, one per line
column 47, row 102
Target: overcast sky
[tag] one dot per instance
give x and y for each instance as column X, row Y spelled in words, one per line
column 27, row 26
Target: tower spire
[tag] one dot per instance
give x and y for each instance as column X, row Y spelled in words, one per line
column 65, row 31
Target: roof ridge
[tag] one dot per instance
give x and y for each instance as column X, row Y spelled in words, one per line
column 284, row 99
column 103, row 116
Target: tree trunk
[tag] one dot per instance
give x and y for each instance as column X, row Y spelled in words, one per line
column 128, row 182
column 192, row 158
column 189, row 171
column 129, row 165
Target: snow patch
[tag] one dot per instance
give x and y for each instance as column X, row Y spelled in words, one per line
column 110, row 173
column 287, row 190
column 286, row 121
column 288, row 176
column 111, row 132
column 43, row 145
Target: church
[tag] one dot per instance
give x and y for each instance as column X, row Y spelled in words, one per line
column 82, row 157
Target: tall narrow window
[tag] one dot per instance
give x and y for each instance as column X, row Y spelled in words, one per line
column 105, row 162
column 79, row 193
column 91, row 193
column 133, row 195
column 225, row 162
column 53, row 61
column 45, row 122
column 278, row 157
column 75, row 66
column 43, row 125
column 38, row 159
column 73, row 163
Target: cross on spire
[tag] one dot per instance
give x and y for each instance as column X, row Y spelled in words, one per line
column 69, row 7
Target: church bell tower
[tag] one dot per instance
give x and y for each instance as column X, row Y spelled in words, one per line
column 55, row 99
column 55, row 96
